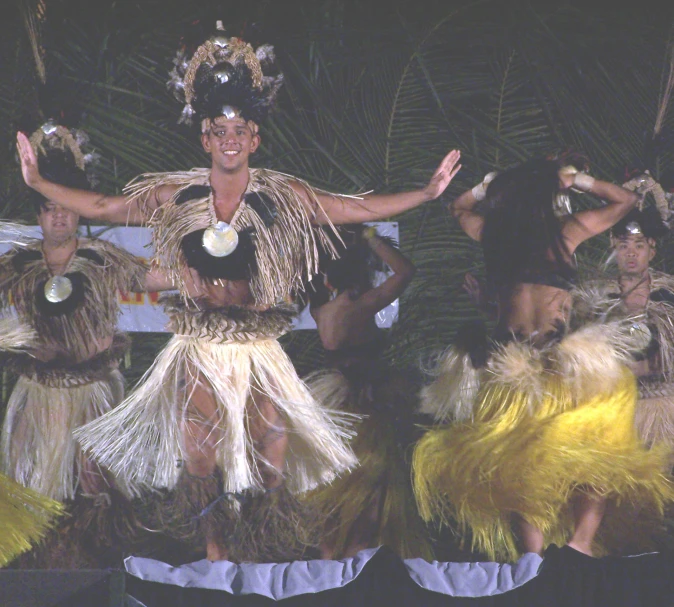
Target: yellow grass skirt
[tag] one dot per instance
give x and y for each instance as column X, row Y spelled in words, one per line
column 544, row 425
column 382, row 480
column 24, row 518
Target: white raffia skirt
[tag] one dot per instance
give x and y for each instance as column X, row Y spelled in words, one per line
column 37, row 445
column 236, row 351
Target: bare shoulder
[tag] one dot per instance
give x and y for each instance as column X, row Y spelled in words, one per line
column 299, row 187
column 163, row 193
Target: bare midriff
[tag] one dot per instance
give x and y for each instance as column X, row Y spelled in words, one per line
column 218, row 293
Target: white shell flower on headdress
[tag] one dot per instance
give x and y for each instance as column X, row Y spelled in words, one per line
column 241, row 73
column 53, row 136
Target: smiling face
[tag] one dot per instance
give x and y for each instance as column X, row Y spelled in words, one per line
column 58, row 223
column 230, row 142
column 633, row 254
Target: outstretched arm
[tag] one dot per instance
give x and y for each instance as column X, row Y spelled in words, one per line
column 157, row 280
column 403, row 271
column 92, row 205
column 374, row 207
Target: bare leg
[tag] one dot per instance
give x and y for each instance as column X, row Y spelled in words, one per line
column 327, row 548
column 531, row 538
column 588, row 510
column 200, row 436
column 268, row 431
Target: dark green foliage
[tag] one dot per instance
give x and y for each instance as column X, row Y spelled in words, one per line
column 373, row 99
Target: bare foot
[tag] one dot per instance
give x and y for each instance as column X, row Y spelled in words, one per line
column 530, row 537
column 215, row 552
column 327, row 552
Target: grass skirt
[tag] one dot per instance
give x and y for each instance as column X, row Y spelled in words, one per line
column 25, row 517
column 655, row 413
column 545, row 424
column 141, row 440
column 382, row 480
column 38, row 447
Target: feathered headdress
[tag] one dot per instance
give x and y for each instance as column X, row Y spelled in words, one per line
column 225, row 77
column 647, row 222
column 62, row 155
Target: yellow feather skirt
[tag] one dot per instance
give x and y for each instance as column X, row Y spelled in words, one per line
column 380, row 485
column 536, row 437
column 25, row 516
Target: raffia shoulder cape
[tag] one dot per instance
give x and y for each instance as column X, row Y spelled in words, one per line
column 107, row 269
column 287, row 249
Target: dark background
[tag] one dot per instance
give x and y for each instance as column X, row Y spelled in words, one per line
column 375, row 94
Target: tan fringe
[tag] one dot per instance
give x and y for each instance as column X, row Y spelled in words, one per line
column 292, row 233
column 654, row 420
column 97, row 317
column 590, row 358
column 38, row 448
column 16, row 337
column 451, row 394
column 598, row 298
column 140, row 440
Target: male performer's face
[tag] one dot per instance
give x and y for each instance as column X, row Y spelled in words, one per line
column 633, row 254
column 230, row 142
column 58, row 224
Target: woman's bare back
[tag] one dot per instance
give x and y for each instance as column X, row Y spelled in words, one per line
column 533, row 311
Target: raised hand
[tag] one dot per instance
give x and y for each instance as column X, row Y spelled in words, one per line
column 443, row 175
column 29, row 169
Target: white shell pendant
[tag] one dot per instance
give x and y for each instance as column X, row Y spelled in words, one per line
column 220, row 240
column 641, row 334
column 58, row 289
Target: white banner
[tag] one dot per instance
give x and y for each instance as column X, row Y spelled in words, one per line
column 141, row 312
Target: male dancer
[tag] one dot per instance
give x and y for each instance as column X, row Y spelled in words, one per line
column 222, row 410
column 66, row 289
column 648, row 296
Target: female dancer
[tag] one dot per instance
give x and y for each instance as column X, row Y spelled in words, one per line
column 543, row 429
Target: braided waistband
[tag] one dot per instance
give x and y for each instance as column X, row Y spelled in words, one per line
column 228, row 324
column 655, row 387
column 59, row 374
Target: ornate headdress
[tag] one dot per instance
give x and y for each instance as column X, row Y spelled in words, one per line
column 225, row 77
column 62, row 157
column 647, row 222
column 643, row 183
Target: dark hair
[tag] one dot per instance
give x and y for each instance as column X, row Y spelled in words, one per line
column 351, row 270
column 521, row 233
column 649, row 222
column 59, row 167
column 210, row 95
